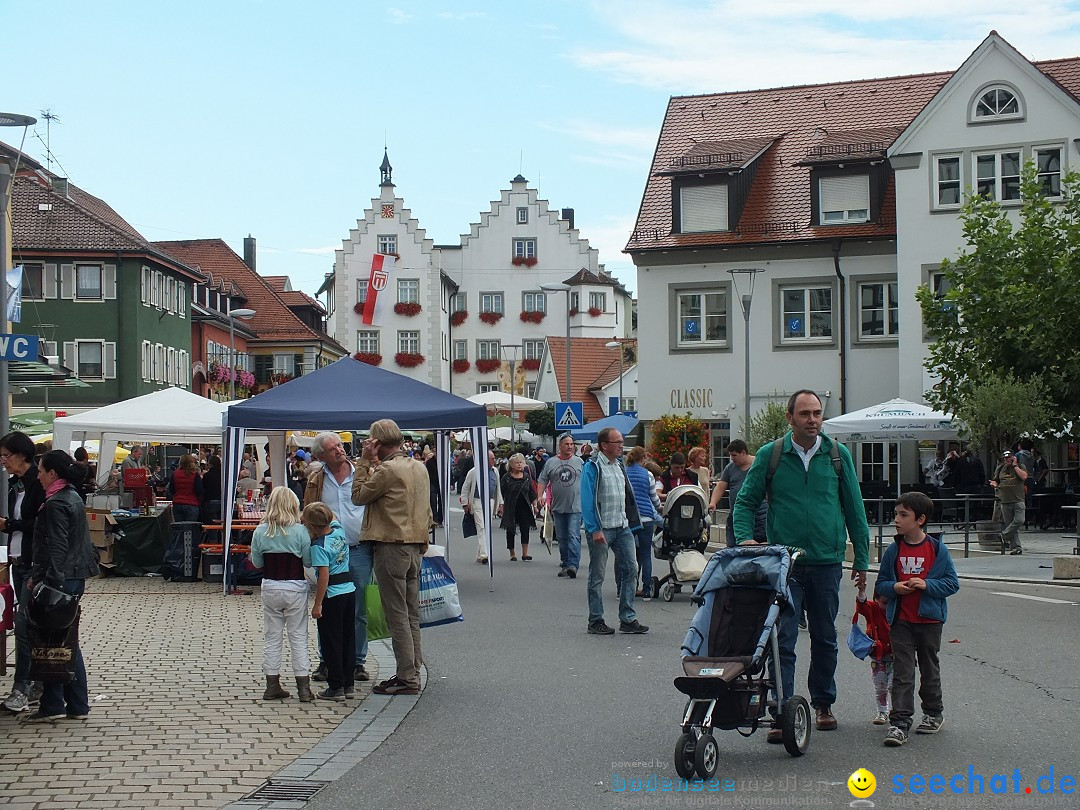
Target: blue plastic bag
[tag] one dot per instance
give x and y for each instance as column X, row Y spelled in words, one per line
column 439, row 602
column 858, row 642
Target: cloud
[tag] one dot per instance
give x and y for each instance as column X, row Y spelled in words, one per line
column 461, row 16
column 609, row 237
column 640, row 139
column 399, row 16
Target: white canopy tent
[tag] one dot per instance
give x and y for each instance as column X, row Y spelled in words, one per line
column 500, row 400
column 893, row 421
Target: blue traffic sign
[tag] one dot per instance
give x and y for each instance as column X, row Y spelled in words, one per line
column 18, row 347
column 569, row 416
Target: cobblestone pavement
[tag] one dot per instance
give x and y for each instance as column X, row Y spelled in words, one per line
column 177, row 719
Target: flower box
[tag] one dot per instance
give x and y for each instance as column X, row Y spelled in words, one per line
column 491, row 318
column 532, row 316
column 408, row 359
column 407, row 308
column 358, row 308
column 488, row 365
column 595, row 312
column 461, row 366
column 573, row 311
column 523, row 261
column 371, row 358
column 531, row 364
column 459, row 317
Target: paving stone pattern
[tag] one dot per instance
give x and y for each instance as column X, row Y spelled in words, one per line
column 177, row 719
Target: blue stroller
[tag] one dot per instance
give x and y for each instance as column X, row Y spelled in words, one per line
column 731, row 658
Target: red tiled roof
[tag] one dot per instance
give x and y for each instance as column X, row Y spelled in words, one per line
column 273, row 320
column 279, row 283
column 586, row 276
column 802, row 122
column 592, row 365
column 299, row 298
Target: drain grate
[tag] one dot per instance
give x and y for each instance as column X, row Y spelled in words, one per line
column 286, row 790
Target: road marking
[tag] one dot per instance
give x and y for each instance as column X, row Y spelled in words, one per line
column 1034, row 598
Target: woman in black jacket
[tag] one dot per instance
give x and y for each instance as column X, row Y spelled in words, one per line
column 63, row 558
column 25, row 497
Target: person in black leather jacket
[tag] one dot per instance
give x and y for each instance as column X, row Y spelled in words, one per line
column 25, row 497
column 63, row 558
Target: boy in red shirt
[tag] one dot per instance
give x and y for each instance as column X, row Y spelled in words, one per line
column 916, row 575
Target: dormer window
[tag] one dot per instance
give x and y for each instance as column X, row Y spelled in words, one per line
column 996, row 103
column 703, row 208
column 845, row 199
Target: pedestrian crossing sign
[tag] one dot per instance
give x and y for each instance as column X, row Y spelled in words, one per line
column 569, row 416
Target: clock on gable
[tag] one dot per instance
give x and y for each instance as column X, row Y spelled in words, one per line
column 388, row 211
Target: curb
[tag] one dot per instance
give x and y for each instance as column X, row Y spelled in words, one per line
column 369, row 725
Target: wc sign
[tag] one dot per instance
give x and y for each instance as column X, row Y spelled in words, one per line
column 19, row 347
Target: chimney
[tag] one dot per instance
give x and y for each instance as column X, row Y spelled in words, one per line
column 249, row 252
column 568, row 215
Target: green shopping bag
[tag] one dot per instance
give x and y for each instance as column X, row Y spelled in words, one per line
column 376, row 619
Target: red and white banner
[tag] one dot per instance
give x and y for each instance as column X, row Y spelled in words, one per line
column 376, row 306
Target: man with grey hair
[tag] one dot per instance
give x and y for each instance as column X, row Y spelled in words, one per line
column 394, row 488
column 562, row 474
column 134, row 459
column 332, row 484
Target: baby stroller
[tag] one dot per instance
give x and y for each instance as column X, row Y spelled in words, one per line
column 682, row 540
column 731, row 657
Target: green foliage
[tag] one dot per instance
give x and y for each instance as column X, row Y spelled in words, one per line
column 766, row 425
column 671, row 433
column 1001, row 408
column 541, row 422
column 1011, row 305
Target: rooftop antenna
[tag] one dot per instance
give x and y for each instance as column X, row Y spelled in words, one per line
column 49, row 118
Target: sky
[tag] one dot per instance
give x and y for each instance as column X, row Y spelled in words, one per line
column 263, row 117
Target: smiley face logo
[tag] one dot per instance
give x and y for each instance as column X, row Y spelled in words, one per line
column 862, row 784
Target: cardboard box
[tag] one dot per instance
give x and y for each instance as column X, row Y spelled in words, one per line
column 105, row 553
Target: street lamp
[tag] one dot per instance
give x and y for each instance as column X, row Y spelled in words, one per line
column 7, row 183
column 746, row 297
column 235, row 313
column 513, row 380
column 616, row 344
column 566, row 289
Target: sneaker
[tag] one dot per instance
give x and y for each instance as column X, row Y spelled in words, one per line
column 320, row 672
column 481, row 560
column 930, row 725
column 882, row 719
column 17, row 702
column 332, row 694
column 1016, row 550
column 350, row 691
column 360, row 674
column 74, row 716
column 563, row 572
column 895, row 737
column 635, row 627
column 572, row 573
column 395, row 686
column 600, row 628
column 647, row 597
column 41, row 717
column 35, row 693
column 802, row 622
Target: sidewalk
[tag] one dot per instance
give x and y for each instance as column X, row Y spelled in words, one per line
column 177, row 719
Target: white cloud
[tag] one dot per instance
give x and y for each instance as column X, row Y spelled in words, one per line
column 638, row 139
column 609, row 237
column 461, row 16
column 398, row 15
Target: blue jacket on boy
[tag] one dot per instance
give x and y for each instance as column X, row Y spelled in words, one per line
column 941, row 582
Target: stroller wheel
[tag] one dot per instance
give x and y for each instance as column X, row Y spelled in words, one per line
column 707, row 756
column 667, row 591
column 684, row 755
column 796, row 725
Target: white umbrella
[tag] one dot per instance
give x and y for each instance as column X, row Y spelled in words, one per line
column 500, row 400
column 893, row 421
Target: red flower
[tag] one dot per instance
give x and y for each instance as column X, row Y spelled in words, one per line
column 408, row 359
column 358, row 308
column 491, row 318
column 531, row 364
column 532, row 316
column 460, row 366
column 458, row 318
column 595, row 312
column 407, row 308
column 371, row 358
column 486, row 366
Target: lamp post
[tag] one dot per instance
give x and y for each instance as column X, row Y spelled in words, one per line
column 617, row 344
column 235, row 313
column 513, row 381
column 7, row 183
column 566, row 289
column 746, row 297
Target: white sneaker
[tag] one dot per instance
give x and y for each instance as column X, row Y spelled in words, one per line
column 17, row 702
column 882, row 719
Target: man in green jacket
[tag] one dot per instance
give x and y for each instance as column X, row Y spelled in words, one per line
column 813, row 507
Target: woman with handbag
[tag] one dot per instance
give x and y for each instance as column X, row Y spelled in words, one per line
column 519, row 504
column 63, row 559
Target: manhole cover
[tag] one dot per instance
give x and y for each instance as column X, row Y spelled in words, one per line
column 295, row 790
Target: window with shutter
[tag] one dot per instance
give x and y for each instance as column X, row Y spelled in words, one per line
column 845, row 199
column 145, row 361
column 181, row 299
column 185, row 369
column 67, row 281
column 49, row 281
column 108, row 289
column 109, row 361
column 264, row 364
column 703, row 209
column 145, row 289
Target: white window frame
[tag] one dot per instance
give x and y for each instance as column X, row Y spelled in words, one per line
column 39, row 267
column 461, row 350
column 408, row 341
column 184, row 364
column 522, row 216
column 879, row 458
column 530, row 390
column 704, row 208
column 525, row 247
column 1060, row 173
column 488, row 350
column 367, row 340
column 79, row 344
column 532, row 349
column 146, row 286
column 703, row 329
column 361, row 290
column 890, row 306
column 979, row 101
column 534, row 301
column 388, row 243
column 101, row 282
column 146, row 361
column 408, row 291
column 598, row 300
column 806, row 314
column 484, row 388
column 940, row 183
column 492, row 302
column 844, row 199
column 284, row 363
column 155, row 289
column 459, row 302
column 999, row 178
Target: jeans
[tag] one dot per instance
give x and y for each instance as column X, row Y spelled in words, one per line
column 621, row 542
column 568, row 533
column 185, row 513
column 913, row 640
column 73, row 695
column 360, row 558
column 285, row 611
column 397, row 568
column 1012, row 516
column 19, row 575
column 815, row 588
column 643, row 539
column 337, row 639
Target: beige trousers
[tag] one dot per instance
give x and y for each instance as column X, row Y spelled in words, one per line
column 397, row 570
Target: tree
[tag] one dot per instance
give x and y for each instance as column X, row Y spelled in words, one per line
column 1001, row 409
column 766, row 425
column 1008, row 305
column 541, row 422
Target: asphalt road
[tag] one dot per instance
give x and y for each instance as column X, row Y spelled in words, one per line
column 523, row 709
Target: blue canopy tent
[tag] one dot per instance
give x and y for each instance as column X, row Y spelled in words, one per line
column 621, row 422
column 349, row 395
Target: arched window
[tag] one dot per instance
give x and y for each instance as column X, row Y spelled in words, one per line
column 997, row 102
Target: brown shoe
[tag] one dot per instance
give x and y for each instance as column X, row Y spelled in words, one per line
column 825, row 719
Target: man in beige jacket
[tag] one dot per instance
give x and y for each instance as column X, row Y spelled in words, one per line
column 397, row 519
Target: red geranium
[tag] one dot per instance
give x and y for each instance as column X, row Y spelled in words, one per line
column 407, row 308
column 488, row 365
column 491, row 318
column 408, row 359
column 371, row 358
column 531, row 364
column 596, row 312
column 458, row 318
column 532, row 316
column 460, row 366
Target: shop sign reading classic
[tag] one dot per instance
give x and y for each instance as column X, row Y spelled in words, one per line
column 689, row 398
